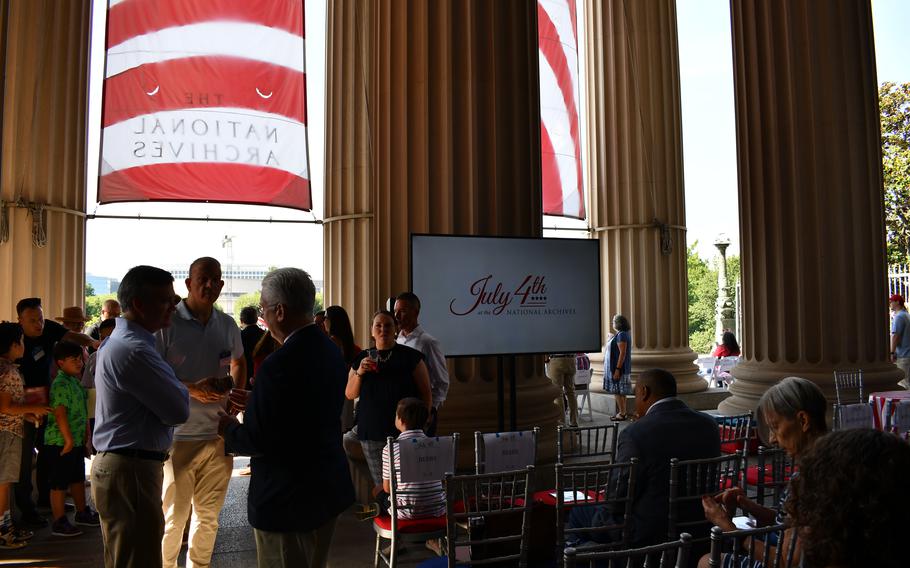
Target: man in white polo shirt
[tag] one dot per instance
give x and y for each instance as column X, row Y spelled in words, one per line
column 201, row 342
column 407, row 310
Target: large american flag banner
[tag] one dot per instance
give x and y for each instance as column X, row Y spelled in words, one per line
column 563, row 193
column 205, row 100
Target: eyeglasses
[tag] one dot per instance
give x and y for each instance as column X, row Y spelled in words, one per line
column 262, row 309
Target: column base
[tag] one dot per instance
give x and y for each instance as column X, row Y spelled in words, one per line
column 471, row 407
column 680, row 362
column 754, row 378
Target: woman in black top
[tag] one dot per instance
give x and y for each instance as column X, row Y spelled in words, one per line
column 381, row 377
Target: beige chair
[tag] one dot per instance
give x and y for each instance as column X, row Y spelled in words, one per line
column 848, row 387
column 599, row 485
column 524, row 443
column 587, row 444
column 689, row 481
column 488, row 517
column 419, row 530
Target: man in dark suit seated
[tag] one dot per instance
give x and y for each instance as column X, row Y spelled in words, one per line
column 666, row 429
column 292, row 429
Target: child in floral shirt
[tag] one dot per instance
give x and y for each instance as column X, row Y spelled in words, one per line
column 65, row 439
column 13, row 411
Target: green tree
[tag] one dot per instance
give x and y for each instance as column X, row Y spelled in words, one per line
column 248, row 299
column 93, row 306
column 894, row 105
column 89, row 289
column 702, row 297
column 253, row 299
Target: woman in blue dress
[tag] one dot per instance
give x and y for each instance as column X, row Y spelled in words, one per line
column 618, row 365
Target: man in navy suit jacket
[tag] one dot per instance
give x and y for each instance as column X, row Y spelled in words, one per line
column 292, row 429
column 666, row 429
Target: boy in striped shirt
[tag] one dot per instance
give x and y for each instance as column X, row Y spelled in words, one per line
column 411, row 417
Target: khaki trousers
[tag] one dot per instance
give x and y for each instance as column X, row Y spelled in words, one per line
column 903, row 363
column 294, row 549
column 196, row 479
column 561, row 371
column 127, row 494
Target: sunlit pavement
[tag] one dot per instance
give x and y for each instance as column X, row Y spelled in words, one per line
column 234, row 548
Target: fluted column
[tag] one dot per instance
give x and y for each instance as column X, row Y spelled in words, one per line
column 45, row 46
column 433, row 127
column 810, row 195
column 635, row 173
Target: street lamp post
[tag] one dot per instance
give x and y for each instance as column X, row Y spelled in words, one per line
column 725, row 312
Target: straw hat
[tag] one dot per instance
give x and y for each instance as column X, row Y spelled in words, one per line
column 73, row 313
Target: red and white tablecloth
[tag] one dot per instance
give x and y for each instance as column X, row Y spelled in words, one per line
column 884, row 404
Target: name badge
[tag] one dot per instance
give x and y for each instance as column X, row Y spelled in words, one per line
column 38, row 353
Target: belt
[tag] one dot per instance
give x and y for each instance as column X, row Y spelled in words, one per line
column 140, row 454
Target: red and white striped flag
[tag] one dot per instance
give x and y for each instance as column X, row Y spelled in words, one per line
column 205, row 101
column 563, row 193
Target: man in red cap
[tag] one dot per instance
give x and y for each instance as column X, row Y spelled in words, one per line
column 900, row 337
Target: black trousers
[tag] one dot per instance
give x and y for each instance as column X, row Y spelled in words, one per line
column 22, row 493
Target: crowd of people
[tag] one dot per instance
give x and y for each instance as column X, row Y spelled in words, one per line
column 163, row 391
column 152, row 391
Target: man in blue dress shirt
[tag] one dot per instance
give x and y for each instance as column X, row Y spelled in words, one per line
column 139, row 401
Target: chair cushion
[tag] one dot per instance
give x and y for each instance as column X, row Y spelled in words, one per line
column 426, row 524
column 731, row 447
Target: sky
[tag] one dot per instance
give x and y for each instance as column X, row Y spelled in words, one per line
column 709, row 151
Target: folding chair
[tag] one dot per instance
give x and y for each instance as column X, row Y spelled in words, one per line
column 851, row 416
column 848, row 387
column 426, row 454
column 488, row 517
column 770, row 476
column 721, row 374
column 588, row 444
column 737, row 434
column 583, row 374
column 755, row 550
column 603, row 485
column 689, row 480
column 520, row 450
column 660, row 555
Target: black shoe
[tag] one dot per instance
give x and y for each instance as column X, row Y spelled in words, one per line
column 32, row 521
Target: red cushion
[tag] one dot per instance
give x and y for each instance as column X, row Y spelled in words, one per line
column 731, row 447
column 426, row 524
column 752, row 474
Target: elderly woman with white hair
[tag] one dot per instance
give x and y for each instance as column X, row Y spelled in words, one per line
column 791, row 415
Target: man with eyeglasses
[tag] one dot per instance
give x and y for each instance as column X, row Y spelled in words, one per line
column 292, row 429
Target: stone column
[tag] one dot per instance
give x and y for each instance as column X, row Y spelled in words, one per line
column 635, row 172
column 810, row 196
column 432, row 127
column 44, row 47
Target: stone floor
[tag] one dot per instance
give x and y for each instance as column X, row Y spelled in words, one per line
column 352, row 546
